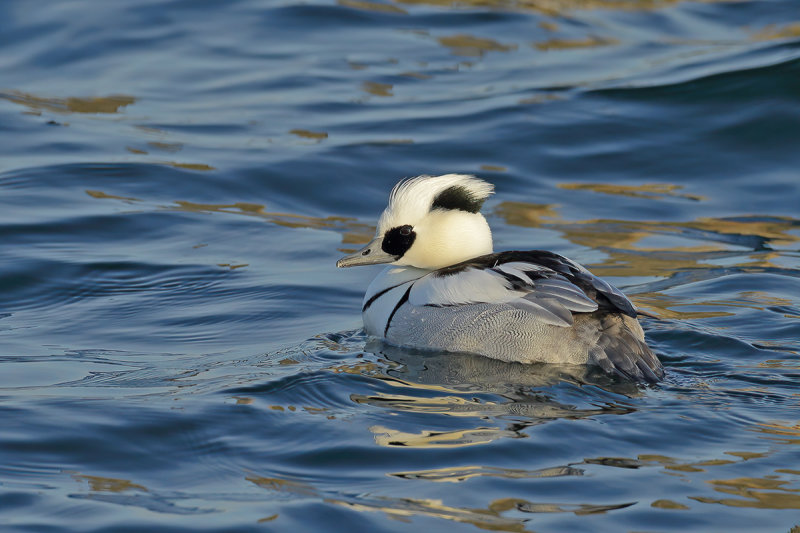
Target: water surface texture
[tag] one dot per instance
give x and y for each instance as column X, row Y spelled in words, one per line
column 178, row 351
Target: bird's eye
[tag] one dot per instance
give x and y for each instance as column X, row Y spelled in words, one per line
column 398, row 240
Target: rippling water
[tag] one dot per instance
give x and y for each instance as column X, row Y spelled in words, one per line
column 179, row 353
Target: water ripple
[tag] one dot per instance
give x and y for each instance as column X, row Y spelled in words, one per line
column 179, row 352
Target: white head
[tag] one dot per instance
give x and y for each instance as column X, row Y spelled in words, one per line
column 431, row 222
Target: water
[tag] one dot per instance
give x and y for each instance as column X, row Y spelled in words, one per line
column 178, row 178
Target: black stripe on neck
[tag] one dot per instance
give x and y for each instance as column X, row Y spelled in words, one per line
column 403, row 300
column 381, row 293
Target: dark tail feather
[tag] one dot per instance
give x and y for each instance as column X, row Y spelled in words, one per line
column 620, row 352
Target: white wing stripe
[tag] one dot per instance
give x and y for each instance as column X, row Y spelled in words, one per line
column 572, row 297
column 468, row 286
column 572, row 305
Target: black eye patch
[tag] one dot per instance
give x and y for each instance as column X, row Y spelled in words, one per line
column 398, row 240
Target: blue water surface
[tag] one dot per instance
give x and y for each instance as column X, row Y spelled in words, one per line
column 178, row 351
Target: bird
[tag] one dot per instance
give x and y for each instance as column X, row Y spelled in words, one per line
column 445, row 289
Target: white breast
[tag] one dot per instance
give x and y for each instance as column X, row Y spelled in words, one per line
column 383, row 296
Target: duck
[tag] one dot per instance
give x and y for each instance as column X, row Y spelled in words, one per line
column 445, row 289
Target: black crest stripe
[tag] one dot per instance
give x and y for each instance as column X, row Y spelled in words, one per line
column 457, row 197
column 403, row 300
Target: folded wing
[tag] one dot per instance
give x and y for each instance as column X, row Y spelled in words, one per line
column 521, row 279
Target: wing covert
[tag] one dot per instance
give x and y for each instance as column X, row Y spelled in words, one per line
column 532, row 287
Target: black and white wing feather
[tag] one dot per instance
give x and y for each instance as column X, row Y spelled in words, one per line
column 543, row 283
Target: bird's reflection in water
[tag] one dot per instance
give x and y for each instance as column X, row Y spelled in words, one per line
column 466, row 385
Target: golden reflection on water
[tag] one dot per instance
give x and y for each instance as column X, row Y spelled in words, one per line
column 746, row 299
column 494, row 168
column 758, row 493
column 102, row 195
column 469, row 46
column 669, row 504
column 671, row 463
column 100, row 104
column 747, row 455
column 535, row 409
column 645, row 190
column 166, row 147
column 402, row 508
column 757, row 300
column 231, row 266
column 669, row 308
column 768, row 492
column 108, row 484
column 507, row 504
column 462, row 473
column 490, row 519
column 626, row 234
column 397, row 508
column 353, row 231
column 571, row 44
column 282, row 485
column 526, row 214
column 188, row 166
column 785, row 433
column 779, row 363
column 378, row 89
column 200, row 167
column 774, row 32
column 440, row 439
column 307, row 134
column 372, row 6
column 442, row 405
